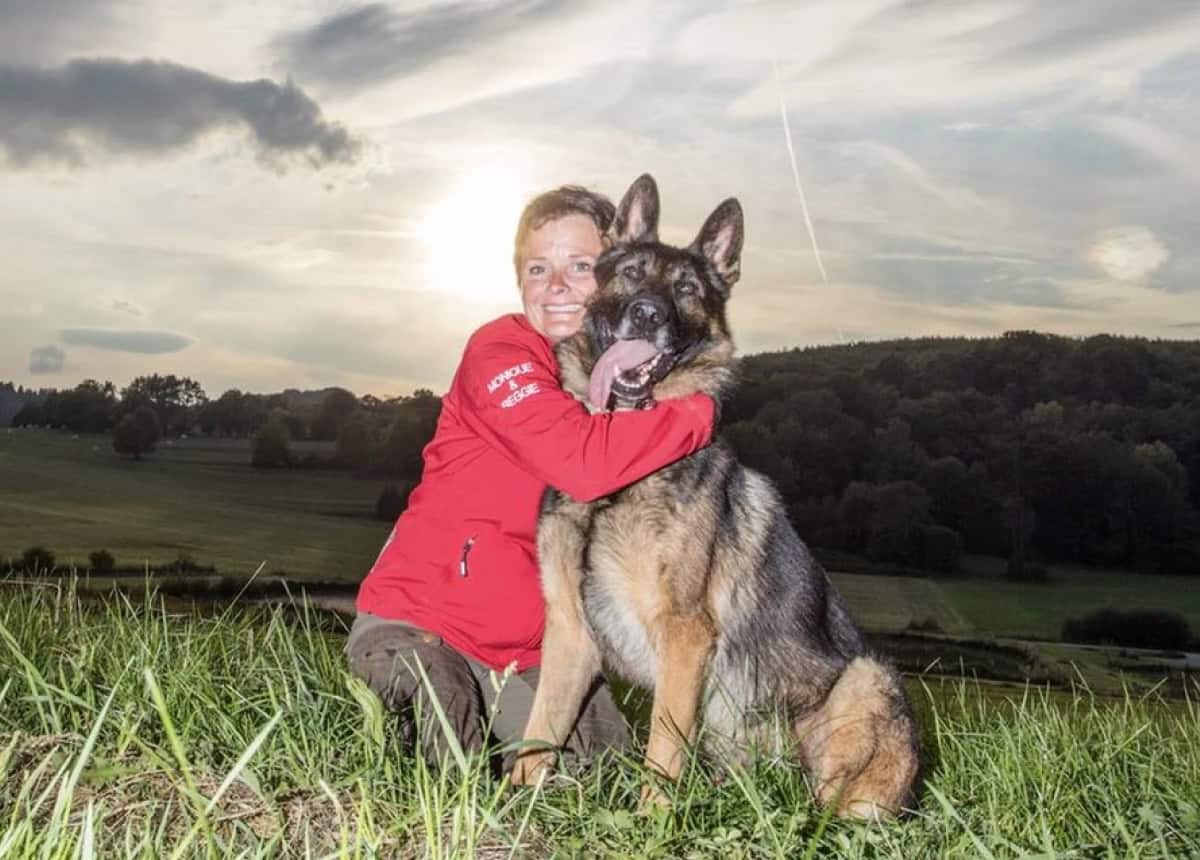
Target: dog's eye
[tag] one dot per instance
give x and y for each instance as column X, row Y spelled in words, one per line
column 687, row 288
column 632, row 271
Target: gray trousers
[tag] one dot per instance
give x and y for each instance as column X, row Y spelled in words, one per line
column 480, row 704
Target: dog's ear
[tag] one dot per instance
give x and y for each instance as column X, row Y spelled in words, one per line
column 720, row 241
column 637, row 216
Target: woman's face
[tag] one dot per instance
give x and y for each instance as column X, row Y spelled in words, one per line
column 556, row 274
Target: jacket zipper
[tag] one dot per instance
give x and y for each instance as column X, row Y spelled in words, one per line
column 462, row 561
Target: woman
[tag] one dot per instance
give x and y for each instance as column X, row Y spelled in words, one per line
column 456, row 586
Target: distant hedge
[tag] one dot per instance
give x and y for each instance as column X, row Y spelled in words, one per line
column 1135, row 628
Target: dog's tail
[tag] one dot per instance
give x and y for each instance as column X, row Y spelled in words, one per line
column 861, row 746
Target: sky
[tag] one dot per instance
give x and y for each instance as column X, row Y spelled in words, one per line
column 281, row 195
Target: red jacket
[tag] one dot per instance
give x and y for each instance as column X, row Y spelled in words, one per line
column 461, row 561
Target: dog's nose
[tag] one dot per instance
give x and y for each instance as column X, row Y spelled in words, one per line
column 646, row 314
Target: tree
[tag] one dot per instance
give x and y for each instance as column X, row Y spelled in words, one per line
column 889, row 520
column 755, row 447
column 101, row 561
column 232, row 414
column 137, row 433
column 336, row 409
column 354, row 442
column 271, row 448
column 410, row 431
column 32, row 414
column 37, row 559
column 894, row 454
column 177, row 400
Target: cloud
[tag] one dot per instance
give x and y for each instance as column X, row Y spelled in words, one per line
column 843, row 61
column 70, row 113
column 38, row 30
column 143, row 342
column 374, row 43
column 122, row 306
column 46, row 359
column 1151, row 140
column 1128, row 253
column 1054, row 32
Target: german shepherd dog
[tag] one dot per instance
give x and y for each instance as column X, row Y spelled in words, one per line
column 692, row 581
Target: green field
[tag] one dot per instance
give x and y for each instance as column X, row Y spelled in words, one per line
column 194, row 496
column 130, row 731
column 986, row 605
column 200, row 497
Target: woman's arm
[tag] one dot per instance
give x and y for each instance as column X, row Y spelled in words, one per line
column 514, row 401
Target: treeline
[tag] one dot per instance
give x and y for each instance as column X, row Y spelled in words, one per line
column 376, row 437
column 1033, row 447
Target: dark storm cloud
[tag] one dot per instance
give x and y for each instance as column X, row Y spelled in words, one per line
column 373, row 42
column 67, row 113
column 46, row 359
column 141, row 342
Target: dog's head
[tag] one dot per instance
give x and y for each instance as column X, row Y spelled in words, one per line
column 672, row 297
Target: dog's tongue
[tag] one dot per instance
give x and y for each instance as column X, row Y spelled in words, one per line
column 622, row 355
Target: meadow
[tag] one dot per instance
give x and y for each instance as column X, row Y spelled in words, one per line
column 130, row 730
column 196, row 496
column 200, row 497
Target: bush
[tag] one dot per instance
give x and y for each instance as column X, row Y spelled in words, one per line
column 137, row 433
column 392, row 501
column 102, row 561
column 37, row 559
column 271, row 448
column 184, row 563
column 1136, row 628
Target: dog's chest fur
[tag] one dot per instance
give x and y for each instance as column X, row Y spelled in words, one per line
column 642, row 556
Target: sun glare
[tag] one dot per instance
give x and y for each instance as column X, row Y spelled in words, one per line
column 468, row 234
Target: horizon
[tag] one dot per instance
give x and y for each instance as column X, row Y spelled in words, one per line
column 212, row 394
column 276, row 197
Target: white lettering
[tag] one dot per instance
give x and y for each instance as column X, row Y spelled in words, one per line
column 520, row 394
column 516, row 370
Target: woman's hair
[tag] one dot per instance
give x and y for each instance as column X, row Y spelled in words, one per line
column 552, row 205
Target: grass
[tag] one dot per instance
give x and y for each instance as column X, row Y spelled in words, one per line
column 194, row 496
column 129, row 730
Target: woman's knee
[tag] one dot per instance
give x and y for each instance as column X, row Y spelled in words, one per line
column 407, row 667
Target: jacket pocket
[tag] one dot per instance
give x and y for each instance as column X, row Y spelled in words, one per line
column 497, row 582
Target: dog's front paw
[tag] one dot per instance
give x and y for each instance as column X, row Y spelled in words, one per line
column 653, row 798
column 531, row 768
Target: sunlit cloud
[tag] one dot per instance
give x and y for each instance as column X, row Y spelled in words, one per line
column 1128, row 253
